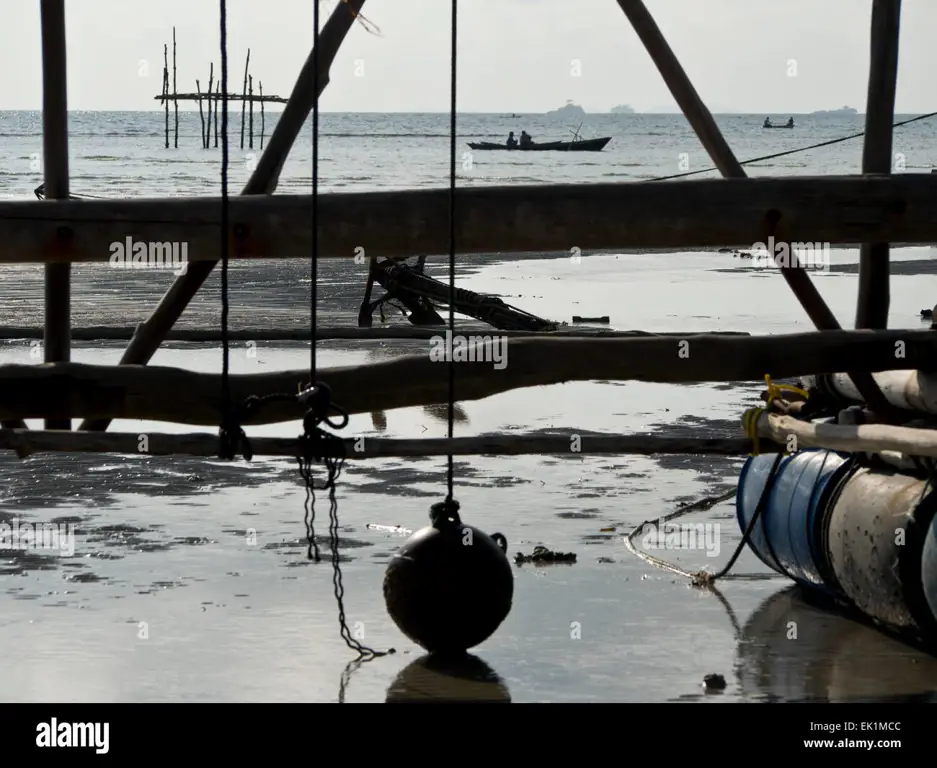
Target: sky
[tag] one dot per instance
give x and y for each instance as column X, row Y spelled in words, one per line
column 524, row 56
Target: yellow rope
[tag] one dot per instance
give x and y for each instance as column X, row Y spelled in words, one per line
column 752, row 415
column 775, row 390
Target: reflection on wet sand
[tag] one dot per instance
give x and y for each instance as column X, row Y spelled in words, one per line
column 439, row 411
column 448, row 680
column 793, row 650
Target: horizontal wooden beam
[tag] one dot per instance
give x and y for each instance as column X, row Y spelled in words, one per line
column 515, row 219
column 72, row 390
column 111, row 333
column 217, row 97
column 27, row 442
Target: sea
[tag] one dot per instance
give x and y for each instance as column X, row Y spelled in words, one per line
column 186, row 579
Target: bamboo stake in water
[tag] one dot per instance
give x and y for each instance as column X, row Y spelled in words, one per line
column 206, row 129
column 247, row 64
column 175, row 101
column 166, row 88
column 201, row 113
column 250, row 96
column 260, row 87
column 217, row 99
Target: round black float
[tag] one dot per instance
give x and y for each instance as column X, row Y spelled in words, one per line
column 450, row 585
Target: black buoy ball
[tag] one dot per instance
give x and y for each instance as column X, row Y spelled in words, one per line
column 450, row 585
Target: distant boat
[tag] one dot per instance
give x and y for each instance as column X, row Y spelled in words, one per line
column 622, row 109
column 844, row 112
column 571, row 111
column 583, row 145
column 769, row 125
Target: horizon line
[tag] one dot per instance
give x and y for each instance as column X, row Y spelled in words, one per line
column 489, row 112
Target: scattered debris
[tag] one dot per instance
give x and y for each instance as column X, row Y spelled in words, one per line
column 542, row 555
column 399, row 529
column 714, row 682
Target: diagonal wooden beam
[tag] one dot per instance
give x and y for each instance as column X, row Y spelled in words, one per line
column 702, row 122
column 873, row 300
column 263, row 181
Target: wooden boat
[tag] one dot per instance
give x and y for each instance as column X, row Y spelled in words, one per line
column 769, row 127
column 583, row 145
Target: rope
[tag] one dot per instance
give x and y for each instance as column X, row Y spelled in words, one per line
column 231, row 435
column 315, row 443
column 750, row 421
column 776, row 155
column 450, row 462
column 705, row 578
column 752, row 415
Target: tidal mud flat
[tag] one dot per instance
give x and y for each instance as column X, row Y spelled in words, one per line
column 189, row 580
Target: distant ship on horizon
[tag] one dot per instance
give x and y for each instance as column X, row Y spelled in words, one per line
column 622, row 109
column 570, row 110
column 842, row 112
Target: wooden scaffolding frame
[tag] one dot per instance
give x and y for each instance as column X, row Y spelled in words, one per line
column 873, row 208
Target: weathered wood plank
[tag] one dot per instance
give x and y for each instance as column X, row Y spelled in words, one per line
column 174, row 395
column 515, row 219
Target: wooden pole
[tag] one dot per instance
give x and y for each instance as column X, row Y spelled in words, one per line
column 201, row 113
column 244, row 95
column 260, row 87
column 206, row 139
column 263, row 181
column 863, row 438
column 111, row 333
column 217, row 99
column 166, row 88
column 510, row 219
column 175, row 101
column 166, row 102
column 232, row 97
column 485, row 369
column 57, row 339
column 715, row 144
column 250, row 96
column 873, row 300
column 27, row 442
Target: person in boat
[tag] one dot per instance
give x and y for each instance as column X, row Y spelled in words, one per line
column 790, row 122
column 511, row 142
column 526, row 141
column 767, row 122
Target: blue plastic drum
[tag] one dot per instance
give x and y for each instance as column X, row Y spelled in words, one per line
column 786, row 537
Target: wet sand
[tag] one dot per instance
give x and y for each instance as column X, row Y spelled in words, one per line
column 189, row 580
